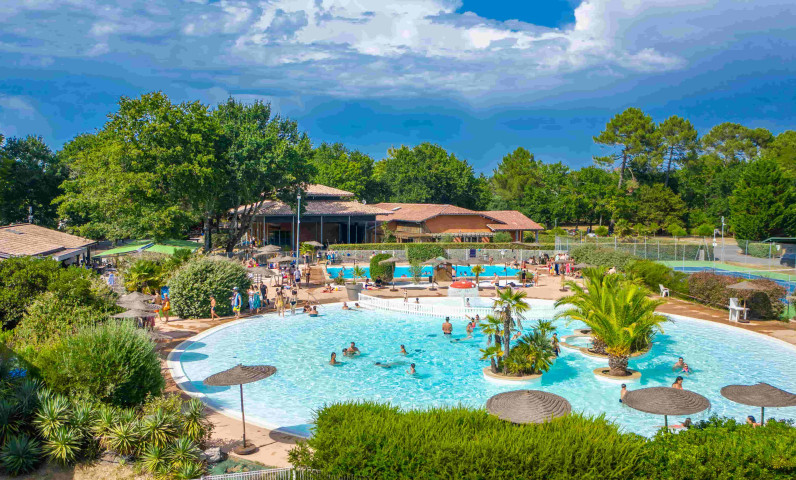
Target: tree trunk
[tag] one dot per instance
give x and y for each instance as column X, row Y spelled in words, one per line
column 622, row 170
column 617, row 365
column 598, row 346
column 506, row 337
column 493, row 365
column 669, row 167
column 207, row 230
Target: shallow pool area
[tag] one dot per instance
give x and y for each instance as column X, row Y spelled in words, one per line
column 449, row 368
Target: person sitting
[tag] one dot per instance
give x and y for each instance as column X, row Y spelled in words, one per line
column 417, row 299
column 678, row 383
column 750, row 420
column 447, row 327
column 345, row 306
column 327, row 288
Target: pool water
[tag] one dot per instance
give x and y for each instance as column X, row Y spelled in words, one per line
column 403, row 271
column 449, row 372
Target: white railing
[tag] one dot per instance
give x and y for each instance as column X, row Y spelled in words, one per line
column 422, row 309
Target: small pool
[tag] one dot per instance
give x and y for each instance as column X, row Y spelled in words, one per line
column 403, row 271
column 449, row 369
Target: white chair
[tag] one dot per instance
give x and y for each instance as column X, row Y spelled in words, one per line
column 664, row 291
column 736, row 309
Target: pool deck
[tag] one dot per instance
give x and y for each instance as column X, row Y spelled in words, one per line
column 274, row 446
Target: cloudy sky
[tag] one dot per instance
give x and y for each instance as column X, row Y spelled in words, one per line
column 479, row 77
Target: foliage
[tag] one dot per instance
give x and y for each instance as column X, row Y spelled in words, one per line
column 601, row 231
column 711, row 288
column 420, row 252
column 415, row 270
column 383, row 442
column 679, row 141
column 675, row 230
column 633, row 134
column 721, row 449
column 463, row 245
column 510, row 306
column 619, row 313
column 114, row 363
column 763, row 203
column 765, row 302
column 756, row 249
column 600, row 257
column 192, row 286
column 337, row 166
column 382, row 272
column 502, row 237
column 704, row 230
column 533, row 353
column 654, row 274
column 20, row 454
column 358, row 272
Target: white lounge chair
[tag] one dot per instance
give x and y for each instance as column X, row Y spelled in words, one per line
column 664, row 291
column 736, row 309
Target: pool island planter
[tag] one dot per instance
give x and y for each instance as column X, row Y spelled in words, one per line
column 353, row 291
column 597, row 356
column 500, row 379
column 601, row 373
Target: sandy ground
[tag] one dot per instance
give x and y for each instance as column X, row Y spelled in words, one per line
column 274, row 446
column 97, row 471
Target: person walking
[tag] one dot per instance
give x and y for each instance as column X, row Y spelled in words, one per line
column 213, row 314
column 236, row 302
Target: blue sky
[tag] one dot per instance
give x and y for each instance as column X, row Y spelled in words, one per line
column 478, row 77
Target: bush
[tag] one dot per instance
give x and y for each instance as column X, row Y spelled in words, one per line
column 383, row 272
column 114, row 363
column 711, row 288
column 601, row 257
column 420, row 252
column 767, row 301
column 601, row 231
column 722, row 449
column 654, row 274
column 756, row 249
column 383, row 442
column 675, row 230
column 502, row 237
column 22, row 279
column 20, row 454
column 704, row 230
column 192, row 286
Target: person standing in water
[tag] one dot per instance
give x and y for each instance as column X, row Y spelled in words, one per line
column 556, row 348
column 333, row 360
column 447, row 327
column 622, row 393
column 411, row 370
column 403, row 350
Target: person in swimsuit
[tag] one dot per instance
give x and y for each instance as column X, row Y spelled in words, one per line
column 411, row 370
column 556, row 348
column 166, row 306
column 447, row 327
column 678, row 383
column 750, row 420
column 345, row 306
column 680, row 363
column 236, row 302
column 213, row 314
column 622, row 393
column 353, row 350
column 686, row 424
column 403, row 350
column 333, row 360
column 686, row 369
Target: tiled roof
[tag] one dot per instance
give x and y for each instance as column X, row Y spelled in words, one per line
column 420, row 212
column 321, row 207
column 315, row 190
column 511, row 220
column 25, row 239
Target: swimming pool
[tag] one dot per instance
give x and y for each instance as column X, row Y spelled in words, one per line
column 449, row 373
column 403, row 271
column 790, row 286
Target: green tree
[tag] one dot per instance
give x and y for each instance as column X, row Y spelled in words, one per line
column 593, row 192
column 510, row 306
column 657, row 204
column 731, row 142
column 764, row 202
column 632, row 133
column 783, row 149
column 30, row 175
column 679, row 142
column 339, row 167
column 427, row 173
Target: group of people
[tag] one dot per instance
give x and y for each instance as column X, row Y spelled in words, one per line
column 353, row 351
column 285, row 297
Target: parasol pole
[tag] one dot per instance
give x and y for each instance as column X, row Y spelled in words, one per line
column 242, row 416
column 762, row 415
column 666, row 422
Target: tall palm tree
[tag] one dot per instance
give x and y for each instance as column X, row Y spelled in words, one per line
column 492, row 327
column 308, row 250
column 619, row 312
column 477, row 271
column 511, row 307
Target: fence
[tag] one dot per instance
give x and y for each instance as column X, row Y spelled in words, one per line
column 421, row 309
column 277, row 474
column 682, row 249
column 499, row 255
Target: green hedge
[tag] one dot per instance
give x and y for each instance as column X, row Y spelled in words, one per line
column 654, row 274
column 601, row 257
column 445, row 245
column 756, row 249
column 711, row 288
column 373, row 441
column 383, row 272
column 192, row 286
column 420, row 252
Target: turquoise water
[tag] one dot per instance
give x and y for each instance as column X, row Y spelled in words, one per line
column 489, row 271
column 449, row 372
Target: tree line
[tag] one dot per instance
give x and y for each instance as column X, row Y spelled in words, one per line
column 158, row 168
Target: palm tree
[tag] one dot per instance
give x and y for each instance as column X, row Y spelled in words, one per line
column 477, row 271
column 536, row 350
column 510, row 305
column 358, row 272
column 308, row 250
column 619, row 312
column 492, row 327
column 143, row 275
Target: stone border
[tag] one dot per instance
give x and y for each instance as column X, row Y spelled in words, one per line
column 508, row 380
column 585, row 351
column 601, row 373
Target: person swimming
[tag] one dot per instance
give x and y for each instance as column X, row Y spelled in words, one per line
column 333, row 360
column 411, row 370
column 356, row 305
column 383, row 365
column 686, row 369
column 403, row 350
column 686, row 424
column 680, row 363
column 353, row 350
column 345, row 306
column 622, row 393
column 678, row 383
column 447, row 327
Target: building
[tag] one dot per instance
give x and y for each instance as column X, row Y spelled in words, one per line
column 418, row 222
column 29, row 240
column 329, row 216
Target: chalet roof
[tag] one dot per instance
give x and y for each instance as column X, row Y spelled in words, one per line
column 321, row 207
column 420, row 212
column 321, row 191
column 510, row 220
column 25, row 239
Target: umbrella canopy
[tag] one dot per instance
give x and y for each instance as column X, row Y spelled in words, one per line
column 136, row 297
column 760, row 395
column 528, row 406
column 388, row 261
column 138, row 305
column 581, row 266
column 240, row 375
column 134, row 314
column 281, row 259
column 438, row 261
column 269, row 249
column 666, row 401
column 265, row 272
column 745, row 285
column 314, row 244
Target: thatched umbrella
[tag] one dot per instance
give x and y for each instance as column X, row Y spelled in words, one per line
column 138, row 305
column 388, row 261
column 136, row 297
column 760, row 395
column 265, row 272
column 745, row 286
column 528, row 406
column 240, row 375
column 269, row 249
column 313, row 243
column 281, row 259
column 666, row 401
column 134, row 314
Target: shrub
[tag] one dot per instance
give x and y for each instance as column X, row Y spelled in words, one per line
column 416, row 271
column 675, row 230
column 722, row 449
column 711, row 288
column 383, row 442
column 383, row 272
column 420, row 252
column 114, row 363
column 20, row 454
column 192, row 286
column 756, row 249
column 601, row 231
column 654, row 274
column 766, row 302
column 704, row 230
column 502, row 237
column 601, row 257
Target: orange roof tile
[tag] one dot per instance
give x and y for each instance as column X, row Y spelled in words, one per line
column 511, row 220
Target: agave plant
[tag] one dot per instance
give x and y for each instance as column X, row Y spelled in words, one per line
column 195, row 424
column 159, row 428
column 123, row 438
column 105, row 419
column 188, row 470
column 27, row 398
column 83, row 417
column 183, row 450
column 53, row 414
column 155, row 460
column 63, row 445
column 9, row 423
column 20, row 454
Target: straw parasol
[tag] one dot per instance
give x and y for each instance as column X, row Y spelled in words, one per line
column 240, row 375
column 314, row 244
column 134, row 314
column 528, row 406
column 136, row 297
column 269, row 249
column 666, row 401
column 265, row 272
column 138, row 305
column 760, row 395
column 746, row 285
column 388, row 261
column 281, row 259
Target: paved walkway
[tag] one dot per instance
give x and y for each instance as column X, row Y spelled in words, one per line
column 274, row 446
